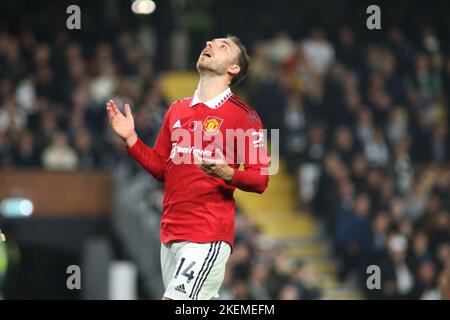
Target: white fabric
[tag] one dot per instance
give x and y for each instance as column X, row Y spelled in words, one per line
column 214, row 103
column 201, row 272
column 59, row 158
column 122, row 281
column 320, row 53
column 405, row 280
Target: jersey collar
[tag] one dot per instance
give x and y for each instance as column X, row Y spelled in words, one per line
column 214, row 103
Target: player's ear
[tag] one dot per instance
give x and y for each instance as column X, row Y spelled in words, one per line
column 234, row 69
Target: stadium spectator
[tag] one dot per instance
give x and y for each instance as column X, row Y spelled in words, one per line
column 87, row 158
column 353, row 234
column 26, row 155
column 59, row 155
column 318, row 50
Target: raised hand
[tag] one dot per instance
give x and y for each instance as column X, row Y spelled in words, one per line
column 123, row 125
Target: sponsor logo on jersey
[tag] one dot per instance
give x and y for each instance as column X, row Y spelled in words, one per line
column 179, row 149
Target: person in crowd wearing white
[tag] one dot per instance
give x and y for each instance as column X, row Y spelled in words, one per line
column 59, row 155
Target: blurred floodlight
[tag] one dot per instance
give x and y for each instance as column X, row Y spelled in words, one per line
column 143, row 6
column 16, row 208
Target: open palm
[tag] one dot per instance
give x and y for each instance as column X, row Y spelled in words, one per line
column 123, row 125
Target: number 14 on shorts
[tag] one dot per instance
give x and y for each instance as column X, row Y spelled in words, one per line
column 187, row 272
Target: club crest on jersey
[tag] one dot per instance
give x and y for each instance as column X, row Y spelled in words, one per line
column 211, row 125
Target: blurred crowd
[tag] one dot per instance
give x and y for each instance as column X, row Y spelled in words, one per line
column 364, row 128
column 52, row 100
column 259, row 270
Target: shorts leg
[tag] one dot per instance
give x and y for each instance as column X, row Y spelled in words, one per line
column 168, row 263
column 212, row 278
column 199, row 271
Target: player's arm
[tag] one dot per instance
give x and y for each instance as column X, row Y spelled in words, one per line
column 254, row 177
column 149, row 158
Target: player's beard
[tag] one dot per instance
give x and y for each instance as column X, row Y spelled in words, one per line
column 211, row 68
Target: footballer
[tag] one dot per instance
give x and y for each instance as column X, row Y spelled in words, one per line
column 197, row 223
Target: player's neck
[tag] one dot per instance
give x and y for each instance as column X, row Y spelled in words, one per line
column 210, row 87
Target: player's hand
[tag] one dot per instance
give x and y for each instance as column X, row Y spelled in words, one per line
column 123, row 125
column 217, row 167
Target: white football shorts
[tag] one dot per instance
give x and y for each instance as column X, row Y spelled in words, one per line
column 193, row 271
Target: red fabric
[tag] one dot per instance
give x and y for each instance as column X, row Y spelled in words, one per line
column 198, row 207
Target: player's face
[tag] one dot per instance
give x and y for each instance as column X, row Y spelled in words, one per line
column 219, row 56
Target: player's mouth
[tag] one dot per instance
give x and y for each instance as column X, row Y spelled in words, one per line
column 206, row 54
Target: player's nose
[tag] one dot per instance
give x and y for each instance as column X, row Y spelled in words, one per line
column 209, row 44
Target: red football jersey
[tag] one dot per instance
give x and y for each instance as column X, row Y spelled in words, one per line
column 198, row 207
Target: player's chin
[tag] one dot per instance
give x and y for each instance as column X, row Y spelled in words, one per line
column 202, row 64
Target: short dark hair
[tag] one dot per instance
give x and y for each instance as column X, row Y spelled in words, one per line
column 243, row 60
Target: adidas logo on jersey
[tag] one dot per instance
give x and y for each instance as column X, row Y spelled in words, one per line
column 180, row 288
column 177, row 124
